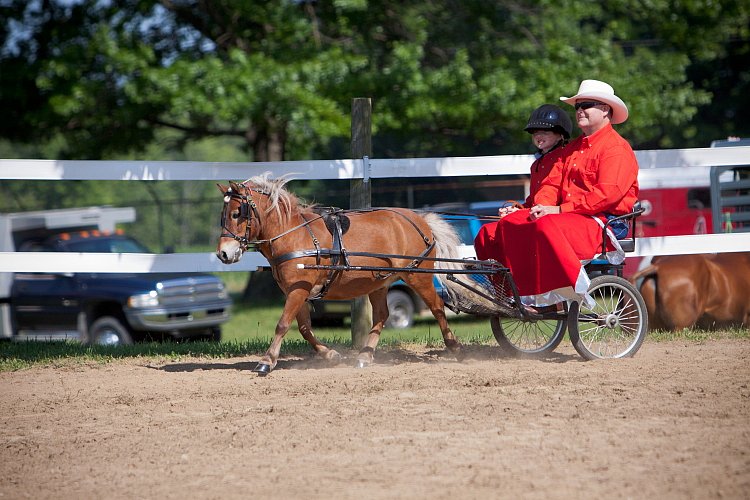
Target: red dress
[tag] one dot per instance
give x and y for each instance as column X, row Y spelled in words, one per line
column 595, row 175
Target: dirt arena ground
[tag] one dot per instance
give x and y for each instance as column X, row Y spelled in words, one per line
column 674, row 422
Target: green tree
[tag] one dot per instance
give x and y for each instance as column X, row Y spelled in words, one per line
column 447, row 77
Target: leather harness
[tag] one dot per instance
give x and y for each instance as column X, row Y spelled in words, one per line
column 337, row 223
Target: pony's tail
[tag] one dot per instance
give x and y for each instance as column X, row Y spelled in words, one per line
column 456, row 296
column 446, row 239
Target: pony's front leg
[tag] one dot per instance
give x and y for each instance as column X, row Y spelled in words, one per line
column 305, row 328
column 379, row 301
column 294, row 301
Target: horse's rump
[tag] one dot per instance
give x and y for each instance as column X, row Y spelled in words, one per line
column 706, row 290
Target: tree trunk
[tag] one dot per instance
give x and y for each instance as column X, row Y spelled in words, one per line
column 267, row 141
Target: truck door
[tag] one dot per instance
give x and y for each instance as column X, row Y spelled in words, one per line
column 46, row 304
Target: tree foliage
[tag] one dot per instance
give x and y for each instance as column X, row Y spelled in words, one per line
column 447, row 77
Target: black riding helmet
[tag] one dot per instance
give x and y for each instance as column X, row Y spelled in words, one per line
column 550, row 117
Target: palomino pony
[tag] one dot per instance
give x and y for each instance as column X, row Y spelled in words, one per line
column 261, row 214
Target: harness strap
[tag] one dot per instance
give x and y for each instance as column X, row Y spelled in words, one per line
column 338, row 253
column 334, row 253
column 319, row 252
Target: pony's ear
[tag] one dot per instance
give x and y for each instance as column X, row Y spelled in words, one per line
column 235, row 186
column 222, row 188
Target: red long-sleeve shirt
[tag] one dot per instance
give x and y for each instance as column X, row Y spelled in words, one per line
column 596, row 174
column 540, row 169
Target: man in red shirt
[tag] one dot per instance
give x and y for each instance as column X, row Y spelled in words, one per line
column 600, row 175
column 596, row 177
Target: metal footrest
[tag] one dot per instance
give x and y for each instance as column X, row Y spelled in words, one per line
column 484, row 294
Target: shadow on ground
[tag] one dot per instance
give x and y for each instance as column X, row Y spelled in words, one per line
column 385, row 356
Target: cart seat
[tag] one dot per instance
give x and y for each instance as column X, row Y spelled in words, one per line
column 627, row 243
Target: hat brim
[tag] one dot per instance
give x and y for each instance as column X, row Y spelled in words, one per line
column 619, row 109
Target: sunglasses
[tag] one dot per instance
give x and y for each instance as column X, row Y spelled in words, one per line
column 588, row 104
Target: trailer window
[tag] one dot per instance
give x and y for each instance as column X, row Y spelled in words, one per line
column 699, row 198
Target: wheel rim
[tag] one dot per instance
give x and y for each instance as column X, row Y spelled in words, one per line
column 400, row 310
column 611, row 327
column 107, row 337
column 527, row 338
column 531, row 336
column 399, row 317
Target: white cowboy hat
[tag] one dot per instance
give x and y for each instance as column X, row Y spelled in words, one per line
column 600, row 91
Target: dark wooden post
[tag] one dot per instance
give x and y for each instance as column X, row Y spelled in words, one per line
column 360, row 196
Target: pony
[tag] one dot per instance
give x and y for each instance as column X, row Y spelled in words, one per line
column 705, row 290
column 261, row 214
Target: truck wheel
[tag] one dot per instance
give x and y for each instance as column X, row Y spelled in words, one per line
column 108, row 330
column 400, row 310
column 215, row 335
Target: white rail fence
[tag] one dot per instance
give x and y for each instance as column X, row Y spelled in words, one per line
column 658, row 168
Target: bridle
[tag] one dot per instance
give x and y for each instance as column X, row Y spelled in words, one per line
column 247, row 210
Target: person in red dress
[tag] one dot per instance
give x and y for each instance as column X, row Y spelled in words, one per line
column 596, row 176
column 550, row 128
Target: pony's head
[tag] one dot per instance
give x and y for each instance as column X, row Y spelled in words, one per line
column 248, row 206
column 240, row 222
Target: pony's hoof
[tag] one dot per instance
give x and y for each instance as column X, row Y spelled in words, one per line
column 262, row 369
column 361, row 363
column 333, row 356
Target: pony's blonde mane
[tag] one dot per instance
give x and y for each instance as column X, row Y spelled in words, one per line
column 281, row 201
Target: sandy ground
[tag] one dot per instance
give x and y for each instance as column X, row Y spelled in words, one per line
column 674, row 422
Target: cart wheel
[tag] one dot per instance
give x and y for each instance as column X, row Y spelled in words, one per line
column 616, row 324
column 527, row 339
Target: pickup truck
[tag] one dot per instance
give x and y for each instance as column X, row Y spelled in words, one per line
column 100, row 308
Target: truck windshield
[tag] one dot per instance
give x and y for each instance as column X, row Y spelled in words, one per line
column 106, row 245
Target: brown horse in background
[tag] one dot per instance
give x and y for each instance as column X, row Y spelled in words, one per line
column 704, row 290
column 260, row 213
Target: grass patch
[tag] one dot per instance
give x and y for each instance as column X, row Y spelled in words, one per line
column 259, row 323
column 698, row 335
column 18, row 355
column 250, row 330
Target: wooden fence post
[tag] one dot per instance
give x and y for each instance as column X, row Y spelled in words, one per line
column 360, row 196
